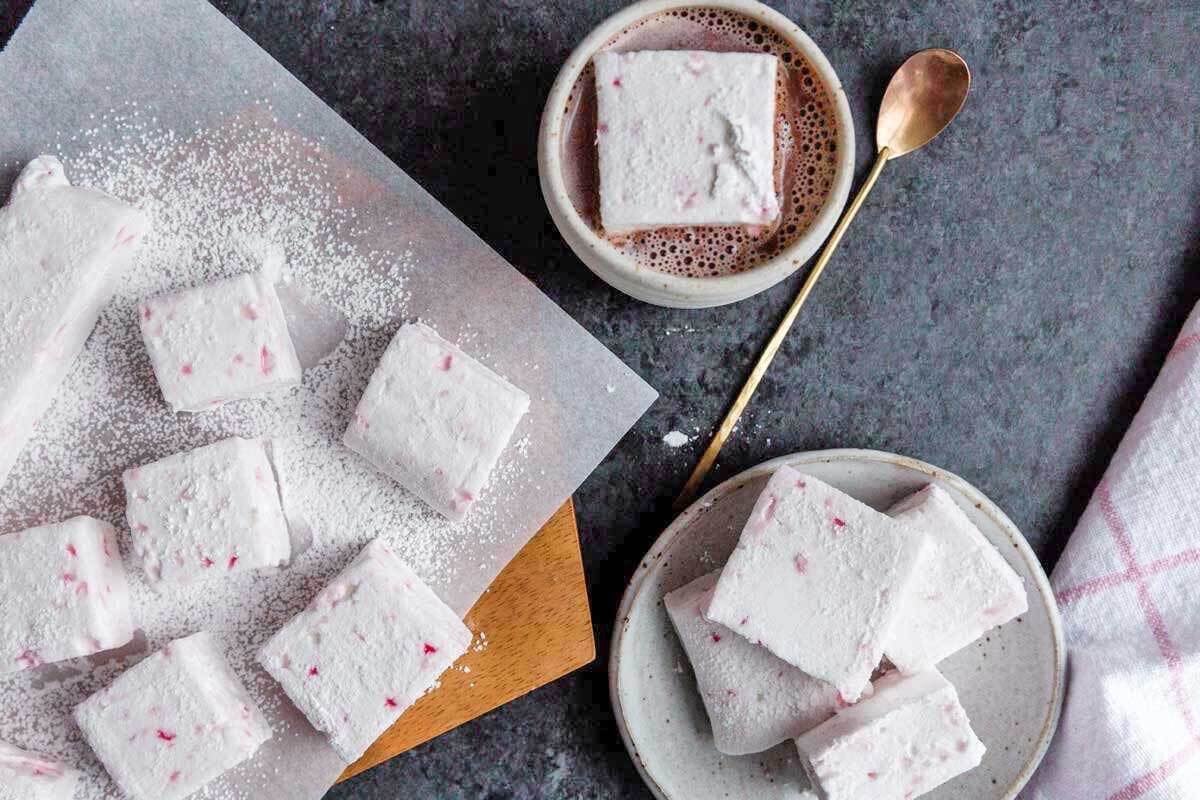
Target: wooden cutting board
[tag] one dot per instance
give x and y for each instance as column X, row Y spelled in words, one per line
column 538, row 626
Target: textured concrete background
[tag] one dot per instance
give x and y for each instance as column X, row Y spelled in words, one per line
column 999, row 308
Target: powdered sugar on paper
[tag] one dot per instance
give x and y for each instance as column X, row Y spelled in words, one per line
column 243, row 197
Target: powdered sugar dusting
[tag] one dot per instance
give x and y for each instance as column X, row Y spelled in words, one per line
column 243, row 197
column 675, row 439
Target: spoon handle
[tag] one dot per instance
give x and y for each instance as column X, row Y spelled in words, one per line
column 764, row 360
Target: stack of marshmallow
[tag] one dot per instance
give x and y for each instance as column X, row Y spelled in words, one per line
column 369, row 645
column 823, row 594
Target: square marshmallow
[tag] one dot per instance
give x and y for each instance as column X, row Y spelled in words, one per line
column 63, row 594
column 754, row 700
column 435, row 419
column 62, row 249
column 963, row 587
column 366, row 648
column 219, row 342
column 685, row 138
column 33, row 776
column 813, row 555
column 174, row 722
column 206, row 512
column 911, row 736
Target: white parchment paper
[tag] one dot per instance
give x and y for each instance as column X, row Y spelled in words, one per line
column 115, row 77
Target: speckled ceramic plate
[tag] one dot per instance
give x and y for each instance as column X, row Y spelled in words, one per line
column 1011, row 681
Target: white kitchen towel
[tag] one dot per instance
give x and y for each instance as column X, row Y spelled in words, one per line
column 1128, row 586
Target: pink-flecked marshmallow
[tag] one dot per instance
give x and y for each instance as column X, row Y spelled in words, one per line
column 963, row 587
column 206, row 513
column 754, row 699
column 911, row 736
column 685, row 137
column 62, row 250
column 816, row 578
column 63, row 594
column 366, row 648
column 33, row 776
column 435, row 420
column 223, row 341
column 174, row 722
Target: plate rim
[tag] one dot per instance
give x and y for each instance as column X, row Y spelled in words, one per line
column 981, row 502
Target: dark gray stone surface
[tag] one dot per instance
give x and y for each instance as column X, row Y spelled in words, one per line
column 999, row 308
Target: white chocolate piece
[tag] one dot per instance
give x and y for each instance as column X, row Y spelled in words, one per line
column 907, row 739
column 435, row 420
column 223, row 341
column 754, row 700
column 62, row 250
column 366, row 648
column 33, row 776
column 685, row 138
column 63, row 594
column 206, row 513
column 963, row 587
column 817, row 578
column 174, row 722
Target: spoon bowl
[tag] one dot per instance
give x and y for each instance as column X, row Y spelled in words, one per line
column 924, row 95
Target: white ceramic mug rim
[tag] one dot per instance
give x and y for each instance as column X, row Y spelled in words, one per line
column 710, row 290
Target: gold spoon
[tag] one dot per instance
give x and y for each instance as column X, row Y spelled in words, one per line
column 924, row 95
